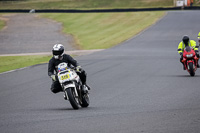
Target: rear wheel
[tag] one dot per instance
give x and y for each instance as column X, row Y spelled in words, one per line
column 191, row 68
column 72, row 98
column 85, row 100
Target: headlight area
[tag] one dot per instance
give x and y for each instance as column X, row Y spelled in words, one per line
column 189, row 55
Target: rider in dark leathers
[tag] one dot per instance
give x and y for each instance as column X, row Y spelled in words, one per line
column 59, row 57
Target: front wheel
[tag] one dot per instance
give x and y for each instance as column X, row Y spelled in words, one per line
column 72, row 98
column 191, row 69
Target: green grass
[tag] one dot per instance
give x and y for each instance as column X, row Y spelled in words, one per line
column 2, row 24
column 81, row 4
column 91, row 31
column 15, row 62
column 104, row 30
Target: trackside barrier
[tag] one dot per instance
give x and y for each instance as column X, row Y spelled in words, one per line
column 97, row 10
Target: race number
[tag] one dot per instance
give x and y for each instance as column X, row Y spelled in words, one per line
column 63, row 77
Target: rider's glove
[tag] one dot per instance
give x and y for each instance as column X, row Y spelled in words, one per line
column 79, row 69
column 53, row 77
column 181, row 54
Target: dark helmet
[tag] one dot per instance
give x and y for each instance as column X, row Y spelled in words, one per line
column 58, row 51
column 186, row 40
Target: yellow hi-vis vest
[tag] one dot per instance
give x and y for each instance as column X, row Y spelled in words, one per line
column 192, row 44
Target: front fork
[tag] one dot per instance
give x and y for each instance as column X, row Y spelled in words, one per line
column 194, row 62
column 186, row 62
column 65, row 87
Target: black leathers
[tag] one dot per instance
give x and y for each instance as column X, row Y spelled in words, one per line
column 53, row 64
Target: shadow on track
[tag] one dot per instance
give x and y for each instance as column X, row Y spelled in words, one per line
column 186, row 76
column 61, row 109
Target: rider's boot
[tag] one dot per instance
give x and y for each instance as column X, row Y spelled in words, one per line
column 84, row 89
column 65, row 96
column 184, row 67
column 182, row 64
column 87, row 86
column 198, row 61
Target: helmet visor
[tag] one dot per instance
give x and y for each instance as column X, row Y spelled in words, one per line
column 57, row 52
column 186, row 42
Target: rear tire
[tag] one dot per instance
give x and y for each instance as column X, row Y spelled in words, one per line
column 85, row 100
column 191, row 68
column 72, row 98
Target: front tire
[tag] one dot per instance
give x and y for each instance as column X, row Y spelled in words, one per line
column 191, row 68
column 72, row 98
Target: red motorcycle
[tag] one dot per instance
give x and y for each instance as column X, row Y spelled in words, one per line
column 190, row 60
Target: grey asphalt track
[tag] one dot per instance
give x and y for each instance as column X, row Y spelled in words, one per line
column 28, row 33
column 137, row 87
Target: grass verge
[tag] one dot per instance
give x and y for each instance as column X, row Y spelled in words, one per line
column 82, row 4
column 2, row 24
column 91, row 31
column 16, row 62
column 104, row 30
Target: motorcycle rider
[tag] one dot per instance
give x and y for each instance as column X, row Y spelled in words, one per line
column 58, row 57
column 187, row 42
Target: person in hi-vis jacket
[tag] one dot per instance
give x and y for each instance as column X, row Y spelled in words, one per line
column 187, row 42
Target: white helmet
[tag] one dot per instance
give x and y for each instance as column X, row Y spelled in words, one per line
column 58, row 51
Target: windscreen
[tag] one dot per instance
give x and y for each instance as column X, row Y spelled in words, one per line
column 188, row 49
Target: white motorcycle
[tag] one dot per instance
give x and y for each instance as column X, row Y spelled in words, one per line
column 74, row 91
